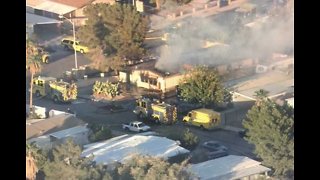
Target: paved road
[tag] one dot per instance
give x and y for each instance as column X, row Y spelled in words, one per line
column 61, row 61
column 91, row 111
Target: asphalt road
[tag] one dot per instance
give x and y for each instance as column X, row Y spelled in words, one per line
column 62, row 61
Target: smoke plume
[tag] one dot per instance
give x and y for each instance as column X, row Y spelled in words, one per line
column 221, row 40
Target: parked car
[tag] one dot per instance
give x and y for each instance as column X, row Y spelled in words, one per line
column 217, row 153
column 214, row 146
column 136, row 126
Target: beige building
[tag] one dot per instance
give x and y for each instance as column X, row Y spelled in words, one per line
column 152, row 79
column 72, row 9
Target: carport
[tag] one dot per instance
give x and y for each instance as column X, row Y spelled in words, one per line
column 33, row 20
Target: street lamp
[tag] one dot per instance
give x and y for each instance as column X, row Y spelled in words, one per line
column 74, row 40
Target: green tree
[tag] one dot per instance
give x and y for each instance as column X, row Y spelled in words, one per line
column 38, row 154
column 146, row 167
column 115, row 28
column 271, row 129
column 261, row 95
column 202, row 85
column 116, row 63
column 33, row 64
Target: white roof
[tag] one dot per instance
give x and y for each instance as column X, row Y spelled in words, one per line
column 228, row 167
column 290, row 101
column 33, row 19
column 123, row 147
column 69, row 132
column 55, row 7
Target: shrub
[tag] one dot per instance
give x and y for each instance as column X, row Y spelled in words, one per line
column 189, row 140
column 99, row 132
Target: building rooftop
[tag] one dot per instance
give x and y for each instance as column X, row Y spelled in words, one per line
column 275, row 82
column 123, row 147
column 69, row 132
column 36, row 19
column 50, row 125
column 228, row 167
column 55, row 7
column 74, row 3
column 33, row 3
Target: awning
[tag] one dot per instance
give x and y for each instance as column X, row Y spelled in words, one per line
column 32, row 19
column 55, row 7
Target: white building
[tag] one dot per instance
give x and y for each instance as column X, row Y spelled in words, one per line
column 124, row 147
column 228, row 168
column 79, row 135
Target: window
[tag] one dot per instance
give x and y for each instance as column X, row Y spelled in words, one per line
column 143, row 104
column 189, row 114
column 153, row 81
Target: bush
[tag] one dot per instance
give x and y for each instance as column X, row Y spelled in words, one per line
column 99, row 132
column 187, row 138
column 106, row 89
column 33, row 115
column 190, row 140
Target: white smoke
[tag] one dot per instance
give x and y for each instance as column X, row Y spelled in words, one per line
column 186, row 44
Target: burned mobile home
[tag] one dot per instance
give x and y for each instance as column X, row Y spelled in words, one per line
column 146, row 76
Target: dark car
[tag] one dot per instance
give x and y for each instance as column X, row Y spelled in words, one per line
column 217, row 153
column 214, row 146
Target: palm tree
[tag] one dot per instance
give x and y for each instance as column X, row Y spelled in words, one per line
column 33, row 63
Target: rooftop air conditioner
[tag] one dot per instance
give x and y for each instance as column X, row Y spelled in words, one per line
column 261, row 69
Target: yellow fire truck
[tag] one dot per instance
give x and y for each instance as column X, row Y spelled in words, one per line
column 156, row 111
column 58, row 91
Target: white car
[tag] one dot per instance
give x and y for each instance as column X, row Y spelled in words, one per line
column 136, row 126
